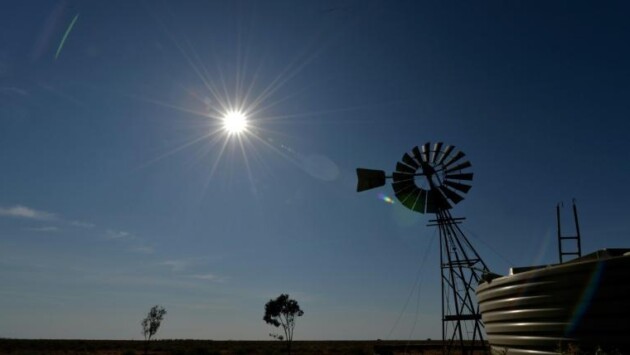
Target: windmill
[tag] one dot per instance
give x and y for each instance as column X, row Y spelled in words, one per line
column 432, row 179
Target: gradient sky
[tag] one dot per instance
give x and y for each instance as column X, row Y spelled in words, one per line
column 119, row 191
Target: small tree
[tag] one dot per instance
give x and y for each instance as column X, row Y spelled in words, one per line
column 282, row 312
column 151, row 324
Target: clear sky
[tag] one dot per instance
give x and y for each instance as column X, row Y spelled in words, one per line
column 120, row 190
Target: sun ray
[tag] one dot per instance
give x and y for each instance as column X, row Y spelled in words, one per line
column 168, row 105
column 250, row 176
column 174, row 150
column 236, row 104
column 218, row 158
column 205, row 76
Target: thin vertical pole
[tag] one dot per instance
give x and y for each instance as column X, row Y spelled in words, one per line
column 442, row 283
column 559, row 233
column 577, row 229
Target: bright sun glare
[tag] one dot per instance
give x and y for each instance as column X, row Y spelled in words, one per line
column 235, row 122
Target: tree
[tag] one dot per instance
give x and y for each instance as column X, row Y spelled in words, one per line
column 282, row 312
column 151, row 324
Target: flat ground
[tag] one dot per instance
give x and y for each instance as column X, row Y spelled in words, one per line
column 209, row 347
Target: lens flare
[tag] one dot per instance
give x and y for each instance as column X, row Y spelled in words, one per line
column 586, row 298
column 387, row 199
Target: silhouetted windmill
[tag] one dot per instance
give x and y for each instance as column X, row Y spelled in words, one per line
column 432, row 179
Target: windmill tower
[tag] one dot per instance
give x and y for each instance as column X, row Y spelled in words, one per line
column 432, row 179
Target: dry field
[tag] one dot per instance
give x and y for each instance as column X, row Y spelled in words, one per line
column 209, row 347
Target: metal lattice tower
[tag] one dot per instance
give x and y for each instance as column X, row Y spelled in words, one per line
column 431, row 180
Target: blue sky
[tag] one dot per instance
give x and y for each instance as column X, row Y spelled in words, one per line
column 119, row 190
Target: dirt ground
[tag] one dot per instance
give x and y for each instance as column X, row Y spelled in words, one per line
column 209, row 347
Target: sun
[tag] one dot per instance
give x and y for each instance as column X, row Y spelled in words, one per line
column 235, row 122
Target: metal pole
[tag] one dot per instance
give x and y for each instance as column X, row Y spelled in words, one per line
column 559, row 233
column 577, row 229
column 442, row 283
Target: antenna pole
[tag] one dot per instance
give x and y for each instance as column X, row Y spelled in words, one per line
column 443, row 292
column 559, row 233
column 577, row 229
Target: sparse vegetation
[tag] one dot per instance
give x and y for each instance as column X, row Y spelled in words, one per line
column 151, row 324
column 282, row 312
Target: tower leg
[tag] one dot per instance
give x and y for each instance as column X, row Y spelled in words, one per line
column 462, row 268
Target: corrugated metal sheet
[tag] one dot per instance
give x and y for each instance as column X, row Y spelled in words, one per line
column 585, row 301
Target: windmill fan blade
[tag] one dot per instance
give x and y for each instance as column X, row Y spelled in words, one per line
column 445, row 154
column 426, row 152
column 436, row 202
column 455, row 158
column 403, row 186
column 417, row 154
column 451, row 195
column 461, row 166
column 468, row 176
column 457, row 186
column 421, row 200
column 407, row 159
column 414, row 199
column 402, row 168
column 408, row 198
column 368, row 179
column 436, row 150
column 398, row 177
